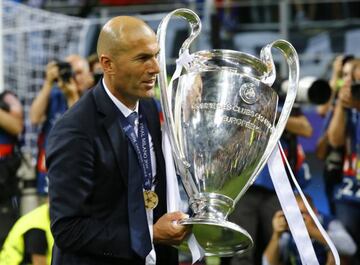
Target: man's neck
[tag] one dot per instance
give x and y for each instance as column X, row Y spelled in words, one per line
column 130, row 103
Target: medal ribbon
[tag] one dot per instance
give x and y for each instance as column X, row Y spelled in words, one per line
column 141, row 146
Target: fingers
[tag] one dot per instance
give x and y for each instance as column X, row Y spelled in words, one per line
column 175, row 216
column 279, row 222
column 167, row 230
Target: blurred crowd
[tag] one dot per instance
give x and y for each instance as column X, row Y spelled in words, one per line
column 258, row 211
column 231, row 12
column 28, row 239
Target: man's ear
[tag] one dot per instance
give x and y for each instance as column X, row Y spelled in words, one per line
column 106, row 64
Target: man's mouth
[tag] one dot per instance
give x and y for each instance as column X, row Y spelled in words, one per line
column 150, row 82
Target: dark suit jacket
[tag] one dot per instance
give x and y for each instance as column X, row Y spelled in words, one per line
column 88, row 175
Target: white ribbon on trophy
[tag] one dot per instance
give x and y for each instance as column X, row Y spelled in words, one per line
column 291, row 210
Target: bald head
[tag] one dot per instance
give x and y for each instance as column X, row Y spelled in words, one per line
column 119, row 33
column 74, row 59
column 81, row 70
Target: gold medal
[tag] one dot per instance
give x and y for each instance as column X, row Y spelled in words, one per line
column 151, row 199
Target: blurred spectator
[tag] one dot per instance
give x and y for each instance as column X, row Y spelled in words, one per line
column 256, row 208
column 335, row 82
column 95, row 67
column 344, row 131
column 64, row 83
column 123, row 2
column 11, row 125
column 30, row 240
column 356, row 71
column 263, row 12
column 81, row 73
column 304, row 13
column 282, row 249
column 333, row 156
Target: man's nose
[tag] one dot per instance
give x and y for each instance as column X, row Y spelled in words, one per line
column 154, row 68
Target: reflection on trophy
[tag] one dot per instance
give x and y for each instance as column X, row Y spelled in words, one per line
column 219, row 113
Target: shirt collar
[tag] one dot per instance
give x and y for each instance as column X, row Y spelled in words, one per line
column 124, row 110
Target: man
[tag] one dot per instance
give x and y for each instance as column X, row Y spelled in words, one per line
column 30, row 240
column 282, row 249
column 61, row 89
column 11, row 126
column 344, row 132
column 97, row 182
column 83, row 76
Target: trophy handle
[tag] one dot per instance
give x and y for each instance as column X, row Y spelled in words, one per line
column 165, row 89
column 292, row 60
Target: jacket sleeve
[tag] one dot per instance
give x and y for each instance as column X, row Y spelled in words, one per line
column 71, row 163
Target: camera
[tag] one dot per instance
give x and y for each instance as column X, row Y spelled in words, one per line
column 65, row 71
column 311, row 90
column 3, row 105
column 355, row 90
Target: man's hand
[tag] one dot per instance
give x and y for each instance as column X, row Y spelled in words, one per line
column 52, row 73
column 167, row 231
column 279, row 223
column 313, row 230
column 346, row 99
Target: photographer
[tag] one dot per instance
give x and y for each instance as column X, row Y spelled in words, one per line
column 11, row 125
column 333, row 157
column 344, row 131
column 95, row 67
column 65, row 81
column 282, row 249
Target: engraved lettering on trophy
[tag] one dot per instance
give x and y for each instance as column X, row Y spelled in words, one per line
column 242, row 123
column 243, row 111
column 247, row 93
column 263, row 120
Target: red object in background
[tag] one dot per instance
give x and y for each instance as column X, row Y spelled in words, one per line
column 123, row 2
column 6, row 149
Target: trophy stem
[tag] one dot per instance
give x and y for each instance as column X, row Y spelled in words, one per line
column 216, row 235
column 211, row 205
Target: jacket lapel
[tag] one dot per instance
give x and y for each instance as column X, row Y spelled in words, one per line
column 111, row 123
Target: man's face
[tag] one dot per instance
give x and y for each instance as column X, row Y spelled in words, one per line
column 82, row 75
column 356, row 73
column 135, row 68
column 346, row 74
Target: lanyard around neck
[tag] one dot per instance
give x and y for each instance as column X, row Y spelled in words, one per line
column 141, row 145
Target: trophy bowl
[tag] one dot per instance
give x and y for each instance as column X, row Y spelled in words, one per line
column 220, row 111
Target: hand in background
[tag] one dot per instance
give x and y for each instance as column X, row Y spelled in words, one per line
column 279, row 223
column 51, row 73
column 346, row 99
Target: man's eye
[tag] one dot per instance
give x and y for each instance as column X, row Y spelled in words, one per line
column 143, row 58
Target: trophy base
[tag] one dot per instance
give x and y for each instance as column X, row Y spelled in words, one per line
column 218, row 237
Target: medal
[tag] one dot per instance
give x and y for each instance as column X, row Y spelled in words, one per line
column 151, row 199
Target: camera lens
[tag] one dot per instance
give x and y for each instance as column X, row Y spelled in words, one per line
column 65, row 71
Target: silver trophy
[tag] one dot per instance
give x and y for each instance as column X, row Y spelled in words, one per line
column 220, row 113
